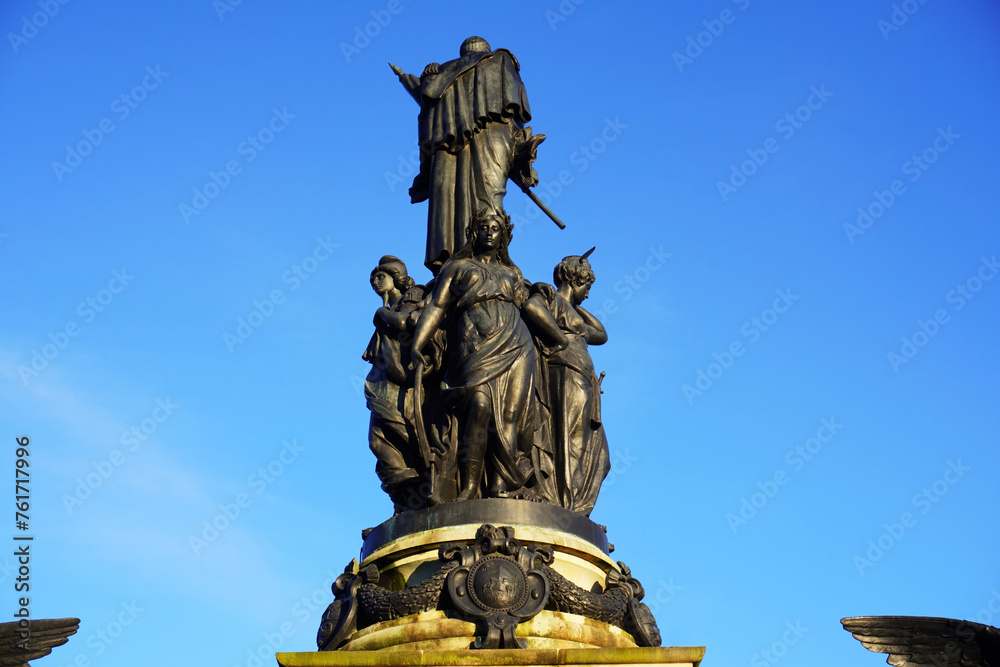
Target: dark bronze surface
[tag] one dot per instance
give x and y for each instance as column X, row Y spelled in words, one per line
column 486, row 510
column 472, row 139
column 921, row 641
column 20, row 644
column 482, row 384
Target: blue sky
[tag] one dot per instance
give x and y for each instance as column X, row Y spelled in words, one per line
column 801, row 396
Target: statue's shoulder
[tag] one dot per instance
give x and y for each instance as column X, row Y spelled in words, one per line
column 544, row 290
column 513, row 58
column 414, row 295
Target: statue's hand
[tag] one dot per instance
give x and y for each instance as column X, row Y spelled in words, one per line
column 395, row 70
column 419, row 358
column 430, row 70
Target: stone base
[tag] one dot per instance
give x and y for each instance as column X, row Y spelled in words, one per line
column 435, row 630
column 680, row 656
column 405, row 548
column 492, row 574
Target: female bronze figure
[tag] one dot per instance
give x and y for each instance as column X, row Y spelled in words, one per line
column 570, row 390
column 490, row 357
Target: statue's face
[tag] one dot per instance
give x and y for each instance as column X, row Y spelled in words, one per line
column 581, row 290
column 488, row 235
column 381, row 283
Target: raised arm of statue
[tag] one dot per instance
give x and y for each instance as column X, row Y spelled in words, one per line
column 409, row 81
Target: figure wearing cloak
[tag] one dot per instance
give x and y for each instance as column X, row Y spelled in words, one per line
column 472, row 139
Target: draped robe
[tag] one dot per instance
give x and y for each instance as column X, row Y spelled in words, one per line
column 470, row 132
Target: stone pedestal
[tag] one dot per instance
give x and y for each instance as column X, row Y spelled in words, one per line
column 405, row 548
column 678, row 656
column 525, row 583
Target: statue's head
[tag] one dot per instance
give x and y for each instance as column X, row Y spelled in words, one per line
column 495, row 225
column 473, row 45
column 575, row 272
column 489, row 230
column 393, row 269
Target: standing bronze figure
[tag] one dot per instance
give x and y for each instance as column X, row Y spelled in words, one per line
column 490, row 357
column 570, row 390
column 388, row 387
column 472, row 138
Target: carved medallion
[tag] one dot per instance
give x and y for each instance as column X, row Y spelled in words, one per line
column 498, row 584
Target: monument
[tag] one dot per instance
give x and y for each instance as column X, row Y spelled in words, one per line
column 486, row 424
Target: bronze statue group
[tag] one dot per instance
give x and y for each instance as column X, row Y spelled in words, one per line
column 481, row 382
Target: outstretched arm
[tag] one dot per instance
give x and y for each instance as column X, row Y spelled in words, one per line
column 409, row 81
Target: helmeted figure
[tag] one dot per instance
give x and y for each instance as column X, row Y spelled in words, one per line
column 571, row 473
column 472, row 139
